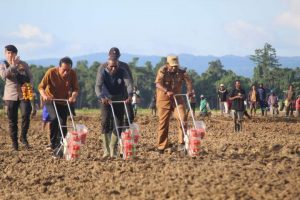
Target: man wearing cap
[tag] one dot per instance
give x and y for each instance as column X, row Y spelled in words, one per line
column 113, row 83
column 15, row 73
column 222, row 95
column 114, row 54
column 169, row 81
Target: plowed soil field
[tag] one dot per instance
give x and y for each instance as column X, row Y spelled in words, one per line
column 262, row 162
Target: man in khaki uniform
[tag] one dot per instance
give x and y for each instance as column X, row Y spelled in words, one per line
column 169, row 81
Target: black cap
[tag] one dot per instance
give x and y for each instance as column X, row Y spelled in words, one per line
column 114, row 53
column 11, row 48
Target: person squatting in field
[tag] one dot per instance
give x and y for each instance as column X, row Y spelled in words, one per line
column 16, row 74
column 204, row 107
column 169, row 81
column 56, row 84
column 113, row 83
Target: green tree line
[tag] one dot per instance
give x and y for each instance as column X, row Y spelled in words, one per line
column 267, row 70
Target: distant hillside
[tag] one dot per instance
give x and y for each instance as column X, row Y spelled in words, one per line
column 241, row 65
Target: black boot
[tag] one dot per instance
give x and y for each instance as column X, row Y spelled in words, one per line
column 235, row 128
column 15, row 145
column 24, row 141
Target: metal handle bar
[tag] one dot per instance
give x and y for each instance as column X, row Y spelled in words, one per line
column 192, row 114
column 115, row 120
column 71, row 115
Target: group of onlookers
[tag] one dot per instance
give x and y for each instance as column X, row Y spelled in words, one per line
column 258, row 98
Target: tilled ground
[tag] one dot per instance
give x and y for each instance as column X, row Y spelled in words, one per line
column 262, row 162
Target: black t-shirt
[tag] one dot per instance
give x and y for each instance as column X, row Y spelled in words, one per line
column 238, row 104
column 222, row 95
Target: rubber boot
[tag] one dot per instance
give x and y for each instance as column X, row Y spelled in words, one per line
column 24, row 141
column 15, row 144
column 113, row 146
column 240, row 126
column 235, row 127
column 105, row 144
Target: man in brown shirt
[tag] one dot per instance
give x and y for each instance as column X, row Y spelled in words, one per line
column 12, row 70
column 56, row 84
column 169, row 81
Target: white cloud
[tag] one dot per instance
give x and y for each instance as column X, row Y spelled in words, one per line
column 291, row 17
column 29, row 38
column 247, row 35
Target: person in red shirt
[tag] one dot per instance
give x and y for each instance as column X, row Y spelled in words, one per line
column 298, row 106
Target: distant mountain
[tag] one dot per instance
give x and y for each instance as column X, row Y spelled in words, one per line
column 241, row 65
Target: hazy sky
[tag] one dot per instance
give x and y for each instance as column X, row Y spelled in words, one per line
column 55, row 28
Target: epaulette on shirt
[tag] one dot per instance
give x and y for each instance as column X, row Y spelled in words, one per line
column 164, row 69
column 180, row 70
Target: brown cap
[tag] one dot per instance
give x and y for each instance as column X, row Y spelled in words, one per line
column 172, row 60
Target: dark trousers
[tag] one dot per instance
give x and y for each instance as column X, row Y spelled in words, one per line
column 130, row 114
column 12, row 114
column 55, row 133
column 107, row 121
column 193, row 106
column 289, row 109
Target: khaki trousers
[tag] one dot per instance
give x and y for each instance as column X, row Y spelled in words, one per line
column 164, row 115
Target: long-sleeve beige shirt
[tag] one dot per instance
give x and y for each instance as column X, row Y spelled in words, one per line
column 12, row 89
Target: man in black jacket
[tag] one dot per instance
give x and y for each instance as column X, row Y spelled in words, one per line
column 237, row 96
column 114, row 54
column 113, row 83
